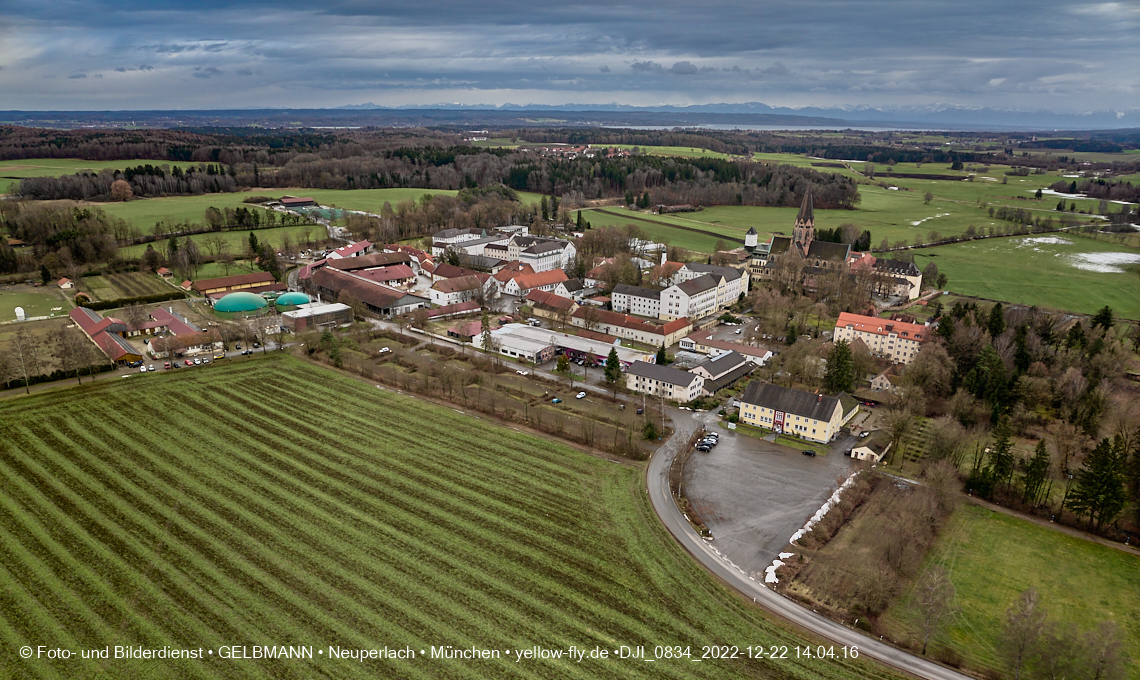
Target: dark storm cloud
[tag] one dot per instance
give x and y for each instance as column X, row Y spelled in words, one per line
column 813, row 52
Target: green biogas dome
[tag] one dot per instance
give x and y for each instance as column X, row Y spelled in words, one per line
column 290, row 301
column 237, row 303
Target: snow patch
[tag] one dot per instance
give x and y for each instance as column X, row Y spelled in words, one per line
column 929, row 218
column 1106, row 263
column 1045, row 241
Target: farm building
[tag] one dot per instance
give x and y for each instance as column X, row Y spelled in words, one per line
column 229, row 284
column 297, row 202
column 315, row 315
column 290, row 301
column 358, row 249
column 240, row 304
column 164, row 272
column 378, row 298
column 66, row 284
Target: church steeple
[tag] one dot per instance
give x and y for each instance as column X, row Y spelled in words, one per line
column 804, row 231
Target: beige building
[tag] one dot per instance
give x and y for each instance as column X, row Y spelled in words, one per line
column 811, row 416
column 894, row 340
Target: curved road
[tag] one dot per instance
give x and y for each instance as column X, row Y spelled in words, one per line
column 657, row 481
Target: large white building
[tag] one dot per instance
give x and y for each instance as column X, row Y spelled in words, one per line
column 542, row 253
column 894, row 340
column 698, row 291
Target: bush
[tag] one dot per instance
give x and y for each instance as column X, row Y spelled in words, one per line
column 140, row 300
column 57, row 375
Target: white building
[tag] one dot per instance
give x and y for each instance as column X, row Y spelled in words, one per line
column 662, row 381
column 636, row 300
column 695, row 298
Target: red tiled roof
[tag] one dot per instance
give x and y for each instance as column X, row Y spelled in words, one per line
column 529, row 281
column 345, row 251
column 877, row 326
column 450, row 271
column 457, row 308
column 512, row 269
column 397, row 272
column 594, row 335
column 551, row 300
column 115, row 347
column 471, row 328
column 369, row 261
column 471, row 282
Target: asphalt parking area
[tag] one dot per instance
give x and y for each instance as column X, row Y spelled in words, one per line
column 753, row 495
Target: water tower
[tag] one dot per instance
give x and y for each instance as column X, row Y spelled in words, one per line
column 750, row 238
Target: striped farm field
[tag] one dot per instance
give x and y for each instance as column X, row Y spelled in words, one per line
column 275, row 503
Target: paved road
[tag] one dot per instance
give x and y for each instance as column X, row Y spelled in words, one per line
column 663, row 504
column 754, row 494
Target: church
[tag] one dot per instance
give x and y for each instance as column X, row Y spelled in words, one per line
column 890, row 278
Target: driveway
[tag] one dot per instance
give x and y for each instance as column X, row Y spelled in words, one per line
column 753, row 494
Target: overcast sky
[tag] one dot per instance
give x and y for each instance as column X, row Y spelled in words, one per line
column 1009, row 54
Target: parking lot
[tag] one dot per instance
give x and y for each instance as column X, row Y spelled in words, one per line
column 753, row 495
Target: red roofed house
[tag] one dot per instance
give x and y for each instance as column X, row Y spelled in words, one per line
column 512, row 269
column 469, row 330
column 66, row 284
column 895, row 340
column 630, row 327
column 521, row 284
column 551, row 306
column 355, row 250
column 396, row 275
column 448, row 311
column 164, row 272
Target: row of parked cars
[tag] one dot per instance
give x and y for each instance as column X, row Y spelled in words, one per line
column 708, row 441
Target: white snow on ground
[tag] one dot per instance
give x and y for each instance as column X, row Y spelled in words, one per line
column 1050, row 192
column 1044, row 241
column 1107, row 263
column 770, row 572
column 929, row 218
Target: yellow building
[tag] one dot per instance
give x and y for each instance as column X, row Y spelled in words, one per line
column 815, row 417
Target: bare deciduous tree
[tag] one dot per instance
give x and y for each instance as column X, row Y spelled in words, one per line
column 1024, row 622
column 935, row 599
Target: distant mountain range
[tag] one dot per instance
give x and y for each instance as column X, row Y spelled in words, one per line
column 912, row 116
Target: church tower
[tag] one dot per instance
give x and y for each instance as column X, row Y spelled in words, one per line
column 750, row 238
column 804, row 232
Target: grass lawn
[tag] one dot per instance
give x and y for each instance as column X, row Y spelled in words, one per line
column 35, row 301
column 992, row 557
column 1039, row 270
column 237, row 240
column 12, row 171
column 421, row 527
column 686, row 151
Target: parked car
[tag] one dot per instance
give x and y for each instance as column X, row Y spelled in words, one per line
column 523, row 372
column 150, row 368
column 384, row 350
column 864, row 434
column 166, row 365
column 737, row 331
column 809, row 452
column 848, row 452
column 189, row 363
column 581, row 395
column 197, row 362
column 256, row 345
column 206, row 360
column 143, row 369
column 640, row 411
column 556, row 400
column 237, row 346
column 704, row 447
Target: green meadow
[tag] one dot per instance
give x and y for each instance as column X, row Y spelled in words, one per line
column 225, row 517
column 1055, row 271
column 992, row 557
